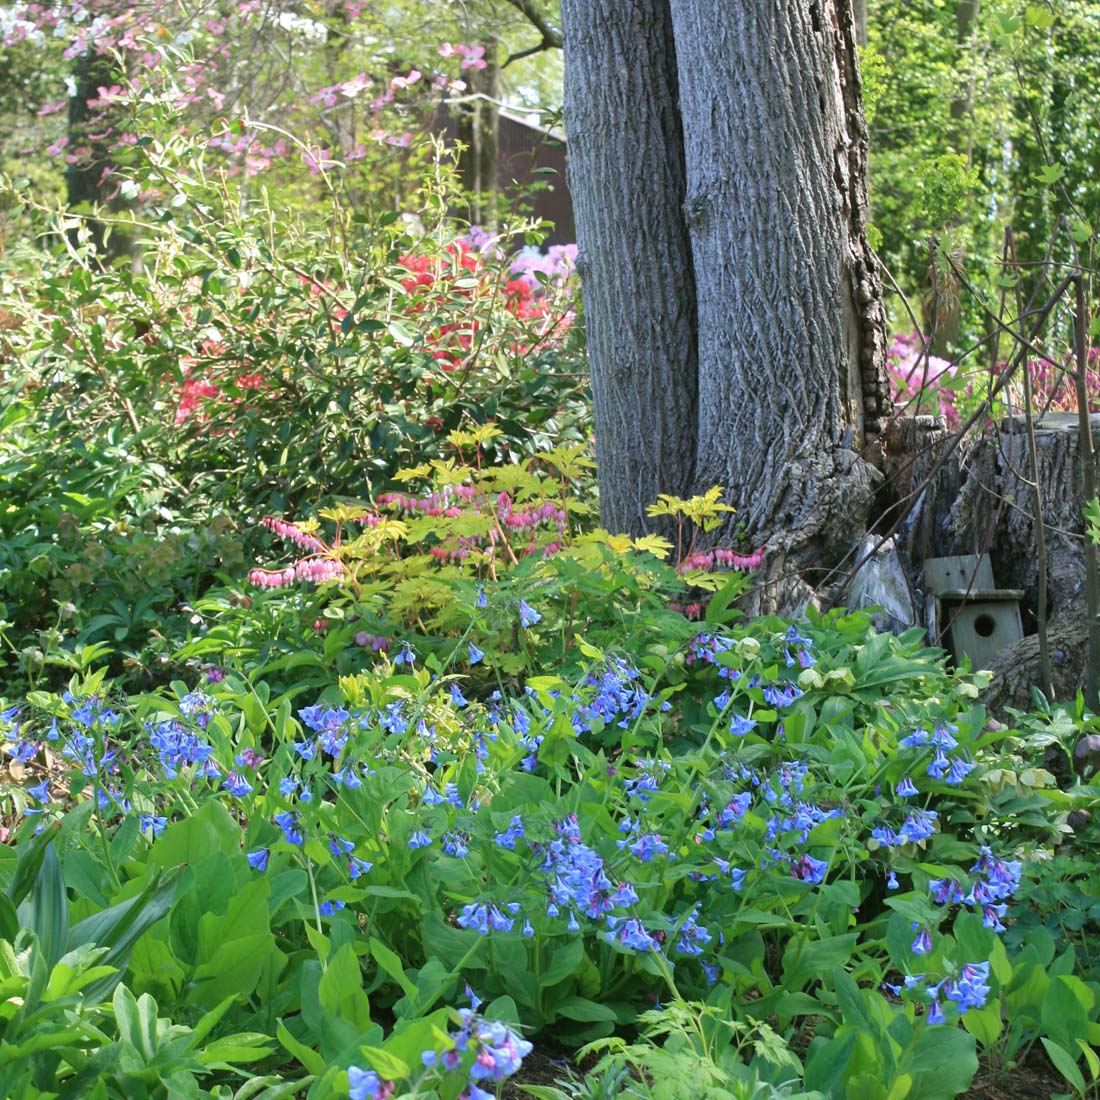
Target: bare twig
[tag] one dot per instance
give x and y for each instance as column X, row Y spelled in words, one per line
column 550, row 34
column 1046, row 672
column 1088, row 461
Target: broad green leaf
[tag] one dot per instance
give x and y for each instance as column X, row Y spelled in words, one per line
column 1065, row 1064
column 563, row 961
column 385, row 1064
column 1065, row 1011
column 233, row 967
column 271, row 1088
column 245, row 1046
column 341, row 988
column 828, row 1060
column 30, row 860
column 942, row 1063
column 308, row 1057
column 584, row 1010
column 9, row 920
column 805, row 962
column 46, row 909
column 390, row 962
column 121, row 926
column 985, row 1024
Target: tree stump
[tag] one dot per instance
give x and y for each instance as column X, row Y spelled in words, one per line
column 922, row 481
column 1016, row 670
column 977, row 498
column 995, row 514
column 995, row 511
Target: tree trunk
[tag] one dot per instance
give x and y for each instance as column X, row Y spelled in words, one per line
column 776, row 152
column 626, row 177
column 91, row 133
column 762, row 372
column 478, row 127
column 859, row 14
column 946, row 332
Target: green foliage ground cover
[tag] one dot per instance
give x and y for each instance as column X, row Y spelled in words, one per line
column 360, row 800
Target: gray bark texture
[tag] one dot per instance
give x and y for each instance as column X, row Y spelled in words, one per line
column 727, row 142
column 626, row 176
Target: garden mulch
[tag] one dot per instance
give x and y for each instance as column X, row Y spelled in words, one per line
column 1034, row 1081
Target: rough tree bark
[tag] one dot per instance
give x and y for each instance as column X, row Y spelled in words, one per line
column 626, row 177
column 727, row 141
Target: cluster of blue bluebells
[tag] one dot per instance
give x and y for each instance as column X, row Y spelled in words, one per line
column 942, row 760
column 969, row 988
column 995, row 881
column 580, row 883
column 83, row 729
column 487, row 1050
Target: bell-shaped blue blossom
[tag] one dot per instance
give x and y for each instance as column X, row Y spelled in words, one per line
column 365, row 1084
column 288, row 822
column 152, row 824
column 906, row 788
column 923, row 943
column 971, row 988
column 258, row 859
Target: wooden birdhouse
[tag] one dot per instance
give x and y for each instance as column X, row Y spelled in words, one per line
column 967, row 613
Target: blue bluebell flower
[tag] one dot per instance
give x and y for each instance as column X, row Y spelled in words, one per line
column 740, row 726
column 648, row 847
column 958, row 771
column 358, row 867
column 630, row 932
column 364, row 1084
column 237, row 785
column 514, row 832
column 906, row 788
column 917, row 739
column 455, row 844
column 971, row 988
column 919, row 825
column 528, row 616
column 152, row 824
column 258, row 859
column 288, row 822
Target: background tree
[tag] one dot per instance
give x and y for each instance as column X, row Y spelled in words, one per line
column 735, row 320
